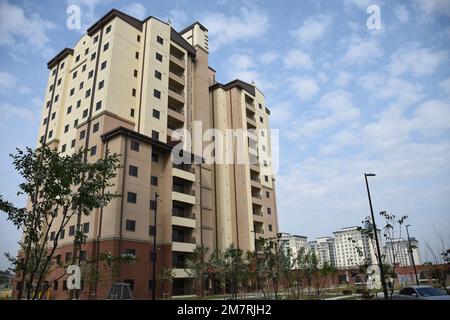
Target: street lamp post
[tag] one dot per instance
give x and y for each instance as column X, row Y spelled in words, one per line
column 411, row 253
column 374, row 227
column 154, row 249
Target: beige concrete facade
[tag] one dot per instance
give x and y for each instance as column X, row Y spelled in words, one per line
column 126, row 86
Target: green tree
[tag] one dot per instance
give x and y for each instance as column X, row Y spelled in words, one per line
column 197, row 268
column 58, row 188
column 165, row 276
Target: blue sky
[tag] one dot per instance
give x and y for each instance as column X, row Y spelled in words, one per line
column 347, row 99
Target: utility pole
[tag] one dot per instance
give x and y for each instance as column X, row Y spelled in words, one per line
column 374, row 227
column 412, row 256
column 154, row 249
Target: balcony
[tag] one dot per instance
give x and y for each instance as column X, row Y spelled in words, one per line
column 183, row 174
column 184, row 222
column 177, row 77
column 251, row 123
column 177, row 95
column 175, row 116
column 180, row 273
column 250, row 107
column 183, row 246
column 255, row 168
column 177, row 60
column 183, row 197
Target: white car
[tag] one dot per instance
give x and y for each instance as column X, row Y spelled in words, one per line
column 425, row 293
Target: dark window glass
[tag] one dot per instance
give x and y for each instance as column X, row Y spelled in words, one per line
column 72, row 144
column 103, row 66
column 130, row 225
column 96, row 127
column 158, row 75
column 156, row 114
column 93, row 150
column 71, row 230
column 133, row 171
column 69, row 109
column 159, row 57
column 155, row 157
column 154, row 181
column 86, row 227
column 132, row 112
column 106, row 46
column 101, row 84
column 133, row 92
column 159, row 40
column 134, row 145
column 135, row 73
column 98, row 105
column 93, row 56
column 155, row 135
column 63, row 148
column 132, row 197
column 82, row 134
column 108, row 29
column 85, row 113
column 157, row 94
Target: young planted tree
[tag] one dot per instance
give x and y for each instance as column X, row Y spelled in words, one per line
column 321, row 277
column 197, row 268
column 58, row 188
column 234, row 268
column 165, row 276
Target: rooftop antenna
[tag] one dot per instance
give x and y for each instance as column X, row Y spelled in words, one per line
column 169, row 22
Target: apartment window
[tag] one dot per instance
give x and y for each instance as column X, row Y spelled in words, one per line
column 93, row 151
column 69, row 254
column 133, row 171
column 52, row 235
column 83, row 255
column 88, row 93
column 158, row 75
column 59, row 81
column 63, row 148
column 93, row 56
column 86, row 227
column 82, row 134
column 98, row 105
column 136, row 55
column 108, row 29
column 130, row 282
column 132, row 112
column 78, row 103
column 77, row 58
column 132, row 197
column 154, row 181
column 260, row 105
column 135, row 73
column 261, row 119
column 48, row 103
column 134, row 145
column 45, row 121
column 72, row 144
column 90, row 74
column 50, row 134
column 57, row 98
column 66, row 128
column 96, row 127
column 101, row 84
column 53, row 115
column 103, row 66
column 50, row 88
column 155, row 135
column 138, row 38
column 269, row 210
column 267, row 194
column 71, row 230
column 81, row 85
column 152, row 205
column 130, row 225
column 133, row 92
column 83, row 68
column 156, row 114
column 106, row 46
column 95, row 39
column 159, row 40
column 155, row 157
column 270, row 228
column 75, row 123
column 85, row 113
column 151, row 233
column 266, row 178
column 157, row 94
column 62, row 66
column 86, row 51
column 159, row 57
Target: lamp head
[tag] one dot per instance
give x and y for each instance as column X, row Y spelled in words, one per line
column 370, row 174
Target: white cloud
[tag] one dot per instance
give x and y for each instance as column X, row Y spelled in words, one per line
column 360, row 4
column 343, row 78
column 223, row 29
column 416, row 60
column 9, row 84
column 268, row 57
column 312, row 29
column 304, row 87
column 361, row 50
column 9, row 112
column 178, row 18
column 434, row 6
column 22, row 33
column 402, row 13
column 445, row 86
column 298, row 59
column 135, row 9
column 432, row 118
column 280, row 114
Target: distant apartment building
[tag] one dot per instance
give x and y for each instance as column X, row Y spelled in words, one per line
column 324, row 249
column 293, row 243
column 353, row 247
column 397, row 251
column 126, row 86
